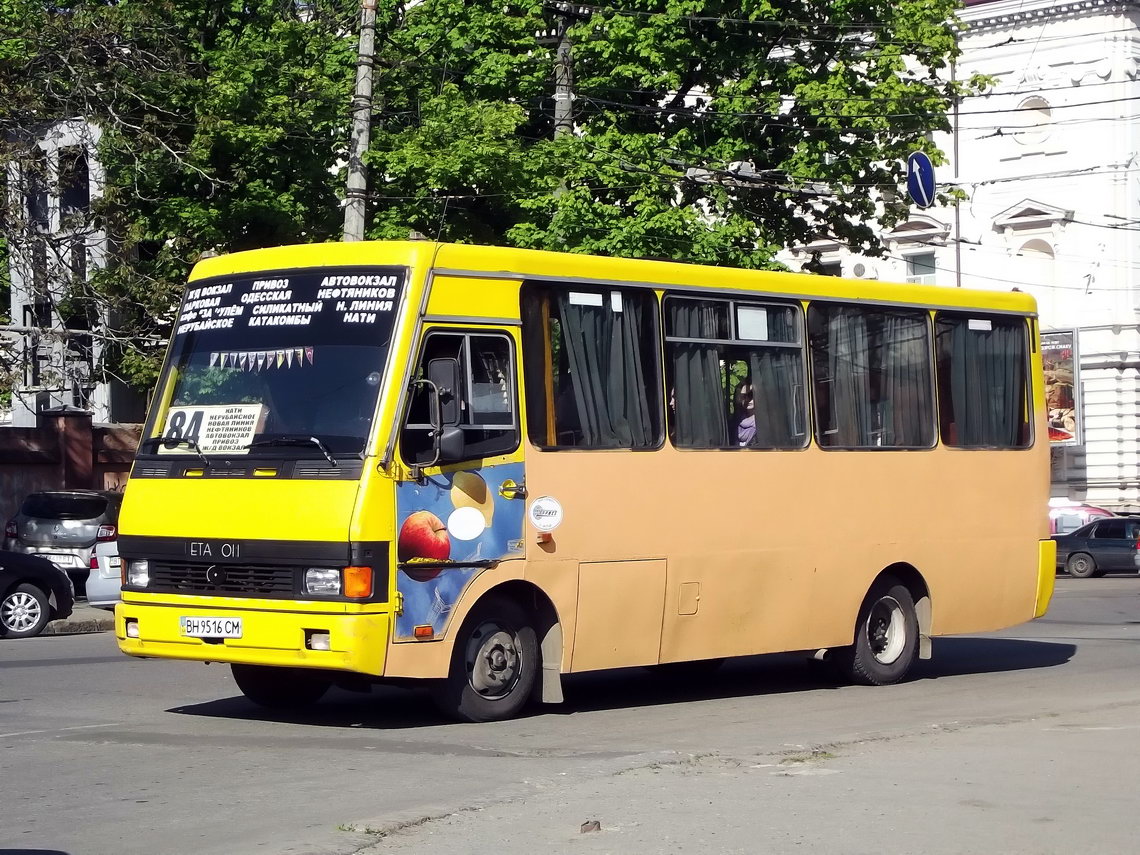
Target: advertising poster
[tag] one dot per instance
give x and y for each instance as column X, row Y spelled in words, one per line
column 1061, row 362
column 452, row 526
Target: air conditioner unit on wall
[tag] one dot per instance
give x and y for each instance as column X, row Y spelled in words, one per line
column 864, row 270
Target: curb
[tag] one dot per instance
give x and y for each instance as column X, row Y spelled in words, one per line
column 69, row 626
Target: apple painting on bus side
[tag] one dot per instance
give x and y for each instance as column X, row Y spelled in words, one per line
column 448, row 529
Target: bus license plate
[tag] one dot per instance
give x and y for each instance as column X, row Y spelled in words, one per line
column 211, row 627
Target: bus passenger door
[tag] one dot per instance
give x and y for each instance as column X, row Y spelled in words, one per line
column 464, row 512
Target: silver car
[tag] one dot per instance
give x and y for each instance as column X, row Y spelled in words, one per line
column 63, row 526
column 105, row 582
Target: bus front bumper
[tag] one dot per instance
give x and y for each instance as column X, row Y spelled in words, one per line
column 356, row 642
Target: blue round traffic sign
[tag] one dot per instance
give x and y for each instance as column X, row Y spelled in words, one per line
column 920, row 179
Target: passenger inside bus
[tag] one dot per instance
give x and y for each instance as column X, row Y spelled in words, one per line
column 744, row 415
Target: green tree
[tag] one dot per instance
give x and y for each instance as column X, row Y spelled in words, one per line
column 703, row 131
column 222, row 124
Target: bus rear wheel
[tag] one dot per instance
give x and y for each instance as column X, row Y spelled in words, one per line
column 494, row 664
column 280, row 688
column 886, row 637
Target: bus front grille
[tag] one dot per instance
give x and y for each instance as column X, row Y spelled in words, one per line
column 230, row 580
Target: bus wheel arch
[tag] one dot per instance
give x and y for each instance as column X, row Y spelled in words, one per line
column 499, row 653
column 547, row 626
column 889, row 630
column 909, row 575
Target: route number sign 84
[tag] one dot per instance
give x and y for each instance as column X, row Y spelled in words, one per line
column 218, row 427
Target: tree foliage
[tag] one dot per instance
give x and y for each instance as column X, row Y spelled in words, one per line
column 703, row 130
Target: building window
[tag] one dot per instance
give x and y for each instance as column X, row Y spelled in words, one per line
column 35, row 189
column 74, row 183
column 920, row 268
column 1033, row 118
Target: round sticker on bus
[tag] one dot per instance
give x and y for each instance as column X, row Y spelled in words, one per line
column 545, row 513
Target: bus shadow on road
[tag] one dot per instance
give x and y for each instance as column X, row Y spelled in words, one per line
column 776, row 674
column 963, row 655
column 391, row 708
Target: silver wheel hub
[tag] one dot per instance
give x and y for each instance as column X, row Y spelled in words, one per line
column 886, row 630
column 20, row 611
column 492, row 660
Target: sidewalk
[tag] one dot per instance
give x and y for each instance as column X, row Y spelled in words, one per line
column 83, row 618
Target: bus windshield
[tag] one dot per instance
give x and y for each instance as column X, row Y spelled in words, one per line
column 264, row 363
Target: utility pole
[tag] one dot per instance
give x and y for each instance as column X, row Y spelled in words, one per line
column 356, row 192
column 558, row 36
column 563, row 82
column 957, row 202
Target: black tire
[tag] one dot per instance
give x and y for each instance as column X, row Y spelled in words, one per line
column 1081, row 565
column 280, row 688
column 24, row 612
column 494, row 665
column 886, row 637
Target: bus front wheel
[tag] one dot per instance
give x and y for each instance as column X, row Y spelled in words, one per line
column 886, row 637
column 280, row 688
column 494, row 664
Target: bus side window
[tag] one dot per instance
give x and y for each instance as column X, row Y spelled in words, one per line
column 592, row 367
column 735, row 373
column 488, row 415
column 872, row 375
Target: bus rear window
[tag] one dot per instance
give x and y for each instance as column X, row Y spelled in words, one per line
column 983, row 396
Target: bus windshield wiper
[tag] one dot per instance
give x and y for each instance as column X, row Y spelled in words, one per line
column 296, row 440
column 170, row 442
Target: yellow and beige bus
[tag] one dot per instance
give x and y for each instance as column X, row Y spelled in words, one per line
column 486, row 468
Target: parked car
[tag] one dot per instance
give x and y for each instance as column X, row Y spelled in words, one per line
column 105, row 580
column 1066, row 516
column 33, row 592
column 1103, row 546
column 63, row 526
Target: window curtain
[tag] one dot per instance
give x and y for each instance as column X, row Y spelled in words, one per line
column 986, row 382
column 697, row 397
column 847, row 352
column 907, row 403
column 777, row 386
column 604, row 350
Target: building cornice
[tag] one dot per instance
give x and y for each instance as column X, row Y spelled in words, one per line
column 990, row 15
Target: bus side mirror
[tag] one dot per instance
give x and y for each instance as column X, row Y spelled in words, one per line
column 451, row 444
column 444, row 374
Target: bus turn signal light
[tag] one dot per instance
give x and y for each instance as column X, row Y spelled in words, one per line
column 358, row 582
column 423, row 633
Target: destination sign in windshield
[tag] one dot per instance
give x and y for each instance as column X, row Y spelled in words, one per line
column 331, row 303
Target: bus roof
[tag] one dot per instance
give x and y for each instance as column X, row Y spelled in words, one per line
column 494, row 261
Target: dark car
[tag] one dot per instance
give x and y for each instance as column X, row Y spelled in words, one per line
column 33, row 591
column 63, row 526
column 1102, row 546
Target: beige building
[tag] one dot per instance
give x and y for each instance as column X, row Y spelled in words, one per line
column 1049, row 157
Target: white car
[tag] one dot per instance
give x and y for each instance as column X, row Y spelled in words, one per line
column 105, row 579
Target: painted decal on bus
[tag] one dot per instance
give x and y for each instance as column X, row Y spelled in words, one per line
column 452, row 519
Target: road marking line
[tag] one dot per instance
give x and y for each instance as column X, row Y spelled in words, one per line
column 59, row 730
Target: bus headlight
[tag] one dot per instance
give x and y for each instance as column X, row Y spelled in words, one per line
column 322, row 581
column 138, row 573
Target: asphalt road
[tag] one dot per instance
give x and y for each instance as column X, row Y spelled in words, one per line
column 1023, row 741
